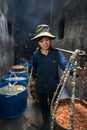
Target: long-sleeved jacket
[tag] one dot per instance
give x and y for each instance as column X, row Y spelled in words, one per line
column 46, row 69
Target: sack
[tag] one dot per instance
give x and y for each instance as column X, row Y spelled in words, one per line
column 32, row 84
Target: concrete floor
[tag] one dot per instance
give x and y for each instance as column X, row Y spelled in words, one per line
column 30, row 120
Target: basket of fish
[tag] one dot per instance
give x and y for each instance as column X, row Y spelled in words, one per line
column 15, row 77
column 13, row 99
column 19, row 68
column 62, row 115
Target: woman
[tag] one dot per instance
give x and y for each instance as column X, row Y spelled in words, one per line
column 46, row 63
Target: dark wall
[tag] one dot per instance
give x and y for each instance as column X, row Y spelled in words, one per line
column 6, row 40
column 72, row 23
column 75, row 21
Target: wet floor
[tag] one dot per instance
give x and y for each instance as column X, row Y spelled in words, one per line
column 30, row 120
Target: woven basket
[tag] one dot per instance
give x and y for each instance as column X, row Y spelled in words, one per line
column 17, row 68
column 63, row 102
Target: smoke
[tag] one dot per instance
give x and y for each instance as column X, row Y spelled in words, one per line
column 30, row 13
column 34, row 12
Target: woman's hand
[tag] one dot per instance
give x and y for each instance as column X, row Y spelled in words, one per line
column 81, row 71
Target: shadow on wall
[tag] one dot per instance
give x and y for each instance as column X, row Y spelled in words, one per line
column 6, row 45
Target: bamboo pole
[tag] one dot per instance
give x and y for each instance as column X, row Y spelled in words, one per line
column 82, row 53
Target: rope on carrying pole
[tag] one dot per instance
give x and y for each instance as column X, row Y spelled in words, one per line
column 81, row 53
column 72, row 101
column 61, row 85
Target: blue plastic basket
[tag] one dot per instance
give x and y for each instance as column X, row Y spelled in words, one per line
column 15, row 105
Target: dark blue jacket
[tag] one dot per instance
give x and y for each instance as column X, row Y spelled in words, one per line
column 46, row 69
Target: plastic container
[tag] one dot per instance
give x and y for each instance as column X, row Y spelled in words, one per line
column 27, row 64
column 15, row 77
column 15, row 105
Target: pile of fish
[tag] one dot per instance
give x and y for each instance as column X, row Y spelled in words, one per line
column 62, row 116
column 12, row 89
column 15, row 78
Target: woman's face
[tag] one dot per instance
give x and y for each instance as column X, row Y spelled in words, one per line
column 44, row 43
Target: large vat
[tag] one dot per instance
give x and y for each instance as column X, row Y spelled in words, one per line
column 15, row 105
column 15, row 77
column 62, row 102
